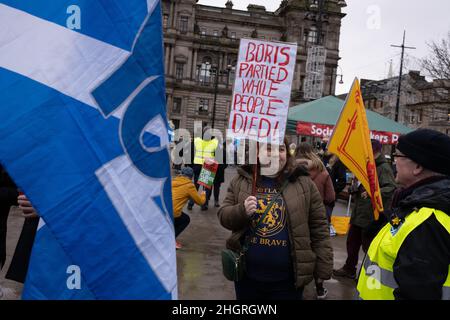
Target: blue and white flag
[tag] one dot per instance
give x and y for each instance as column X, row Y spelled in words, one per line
column 83, row 132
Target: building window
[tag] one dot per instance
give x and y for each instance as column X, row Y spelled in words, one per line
column 216, row 33
column 442, row 94
column 380, row 104
column 184, row 20
column 312, row 35
column 302, row 81
column 231, row 68
column 203, row 106
column 179, row 71
column 203, row 33
column 176, row 124
column 204, row 72
column 314, row 3
column 176, row 108
column 233, row 35
column 165, row 21
column 232, row 75
column 419, row 116
column 412, row 117
column 438, row 115
column 426, row 96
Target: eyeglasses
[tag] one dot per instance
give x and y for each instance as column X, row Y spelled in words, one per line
column 399, row 156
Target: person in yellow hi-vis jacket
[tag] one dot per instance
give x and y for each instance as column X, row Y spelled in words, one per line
column 204, row 148
column 410, row 256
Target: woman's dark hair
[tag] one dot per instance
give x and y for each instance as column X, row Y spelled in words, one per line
column 306, row 151
column 303, row 148
column 285, row 173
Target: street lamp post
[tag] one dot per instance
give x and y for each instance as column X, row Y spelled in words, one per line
column 319, row 5
column 218, row 73
column 319, row 22
column 216, row 89
column 316, row 61
column 341, row 81
column 317, row 54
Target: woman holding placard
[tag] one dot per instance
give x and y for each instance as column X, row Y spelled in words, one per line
column 282, row 229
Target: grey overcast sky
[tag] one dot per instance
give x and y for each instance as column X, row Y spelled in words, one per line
column 369, row 29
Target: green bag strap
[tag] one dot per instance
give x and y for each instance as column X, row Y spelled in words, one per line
column 269, row 206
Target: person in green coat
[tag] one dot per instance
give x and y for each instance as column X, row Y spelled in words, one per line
column 363, row 227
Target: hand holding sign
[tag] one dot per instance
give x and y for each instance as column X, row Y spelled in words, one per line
column 250, row 205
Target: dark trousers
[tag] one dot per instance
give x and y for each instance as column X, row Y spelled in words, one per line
column 181, row 223
column 19, row 264
column 4, row 212
column 249, row 289
column 356, row 239
column 197, row 168
column 329, row 211
column 216, row 191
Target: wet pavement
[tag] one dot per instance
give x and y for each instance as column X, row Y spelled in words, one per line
column 199, row 261
column 11, row 289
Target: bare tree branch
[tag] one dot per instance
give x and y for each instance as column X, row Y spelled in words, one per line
column 437, row 64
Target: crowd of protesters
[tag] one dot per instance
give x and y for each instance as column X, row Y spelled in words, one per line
column 284, row 219
column 409, row 244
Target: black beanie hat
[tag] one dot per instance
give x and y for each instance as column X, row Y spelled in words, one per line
column 429, row 148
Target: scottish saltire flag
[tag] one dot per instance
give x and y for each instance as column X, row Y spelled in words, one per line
column 83, row 131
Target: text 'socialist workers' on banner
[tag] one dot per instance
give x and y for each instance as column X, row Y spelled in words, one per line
column 325, row 131
column 262, row 90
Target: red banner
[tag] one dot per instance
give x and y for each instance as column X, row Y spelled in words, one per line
column 325, row 131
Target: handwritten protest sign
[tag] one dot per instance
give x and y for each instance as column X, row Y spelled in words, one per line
column 262, row 90
column 208, row 173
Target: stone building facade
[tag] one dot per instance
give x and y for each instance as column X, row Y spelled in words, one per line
column 432, row 109
column 202, row 42
column 381, row 95
column 423, row 104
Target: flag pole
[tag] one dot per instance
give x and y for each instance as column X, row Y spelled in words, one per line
column 348, row 206
column 255, row 171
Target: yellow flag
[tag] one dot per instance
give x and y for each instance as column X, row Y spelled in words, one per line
column 351, row 143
